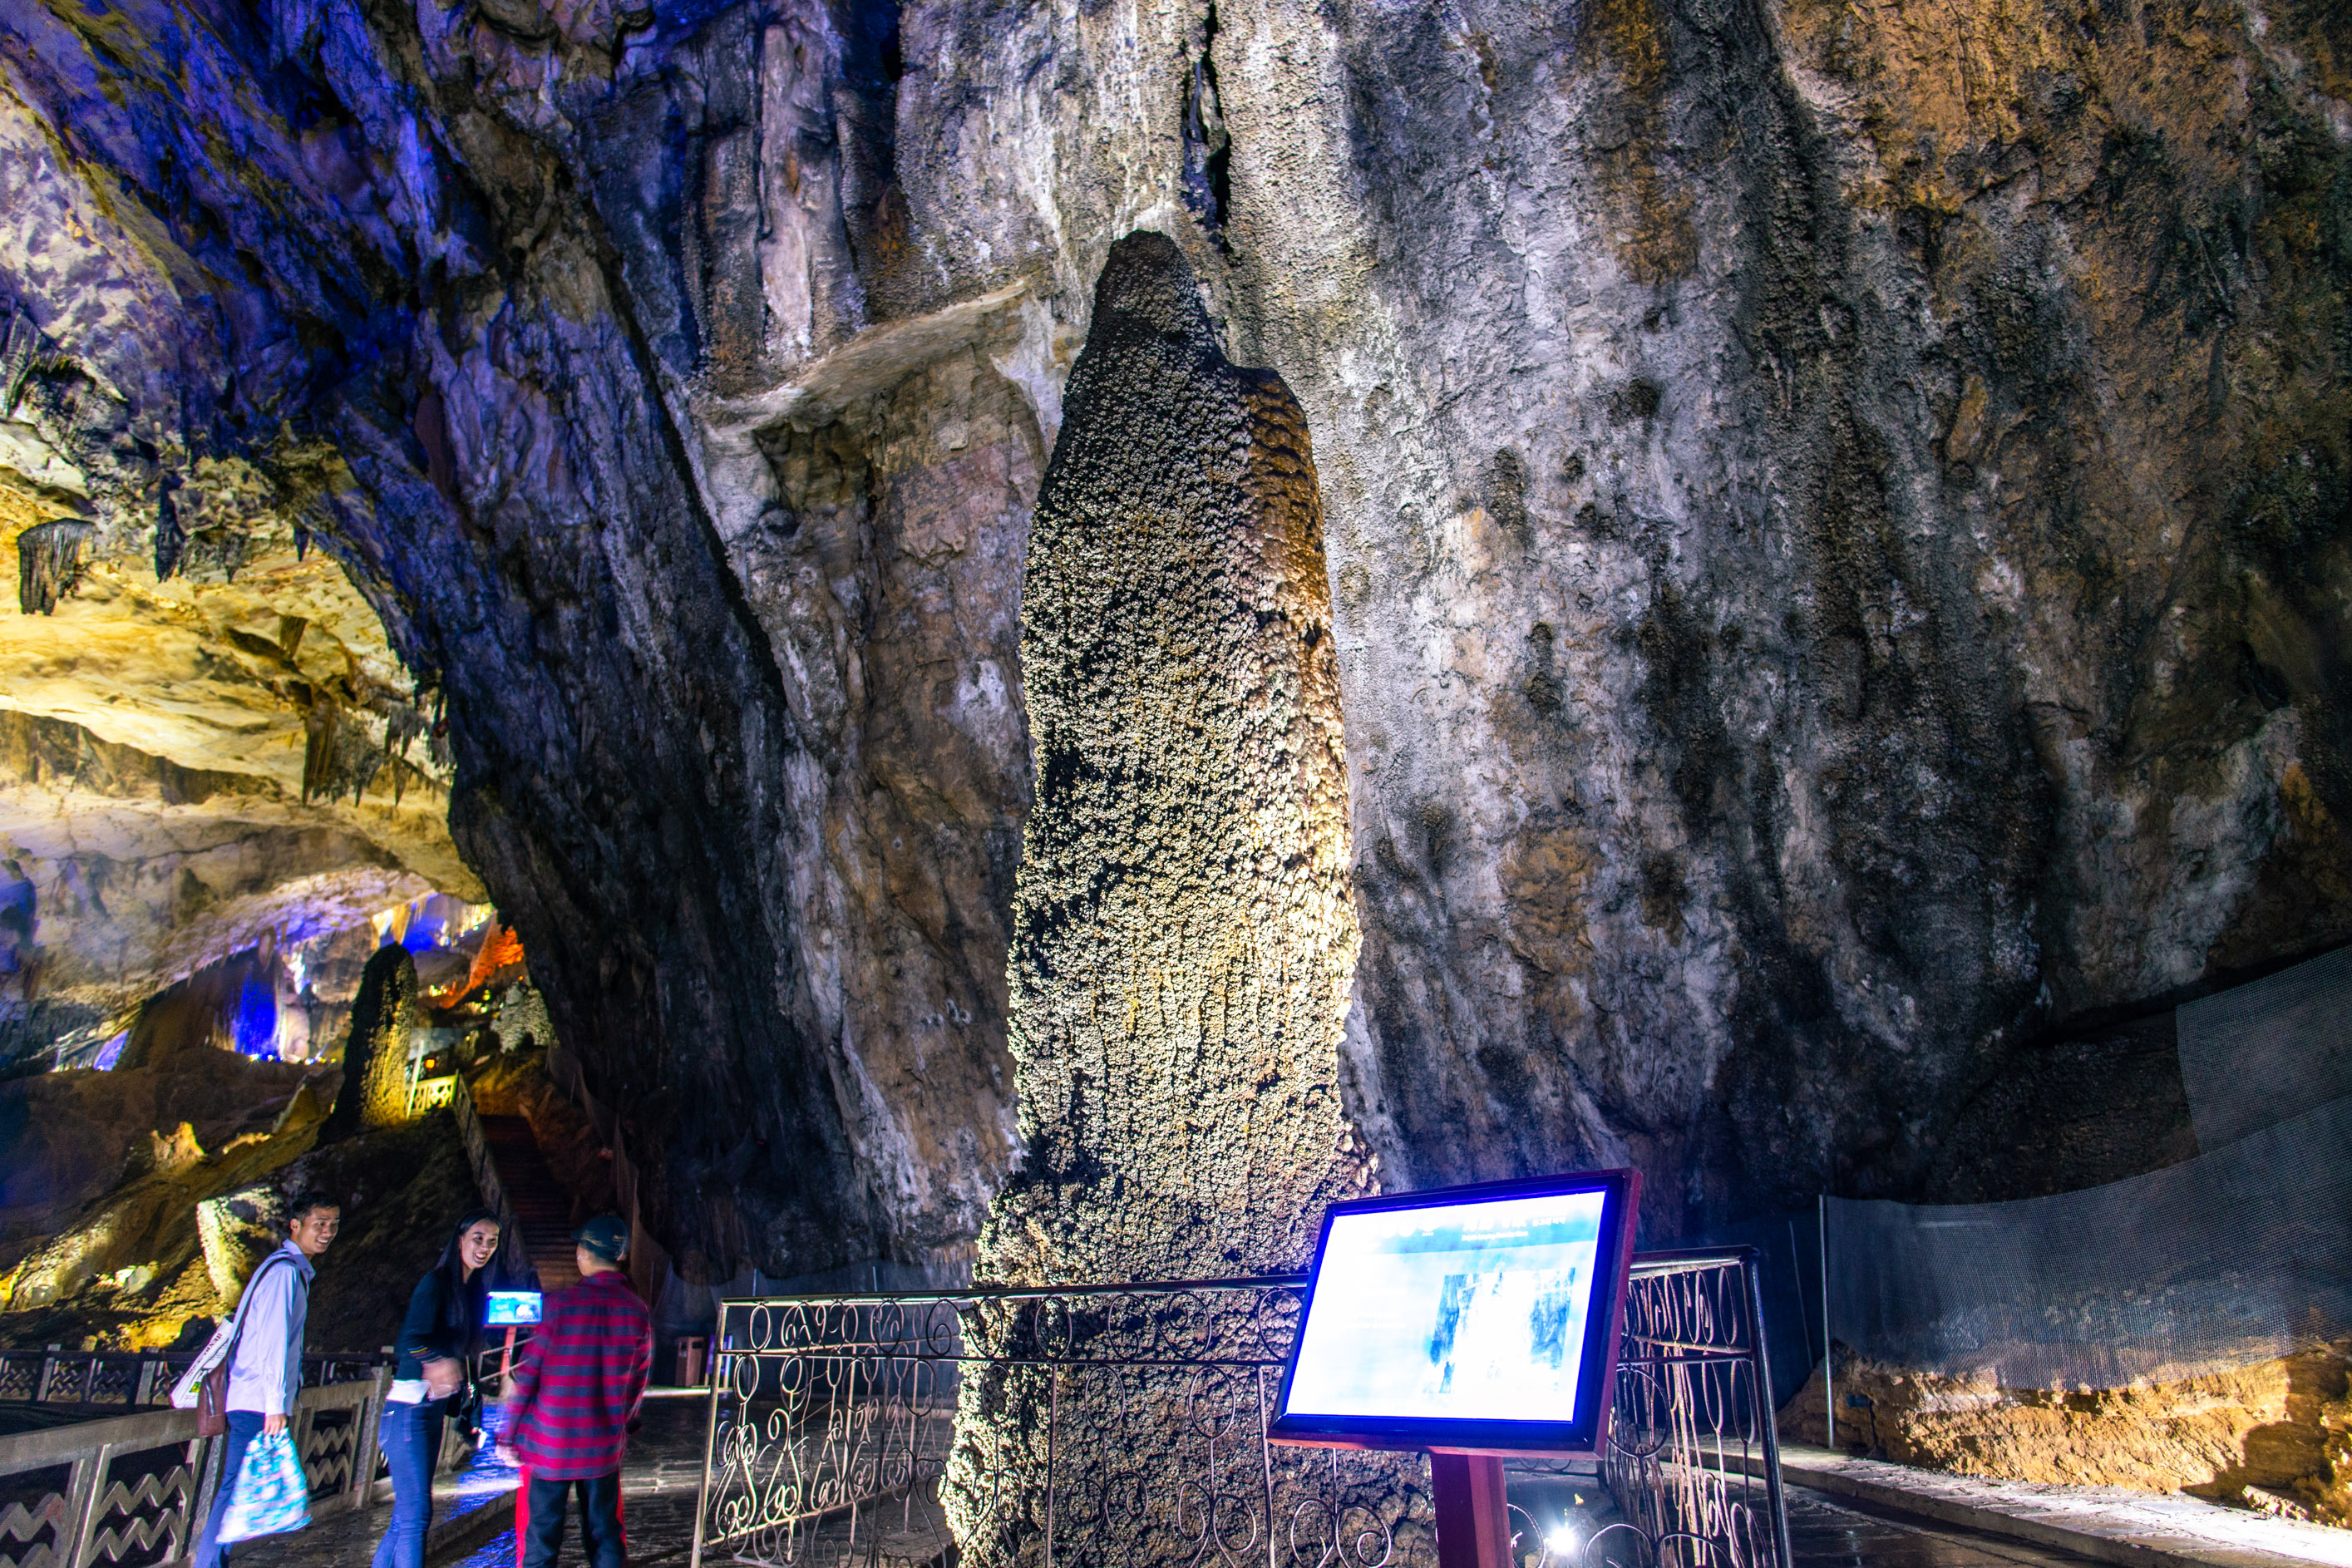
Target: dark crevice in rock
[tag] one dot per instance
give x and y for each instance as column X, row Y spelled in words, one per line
column 1208, row 149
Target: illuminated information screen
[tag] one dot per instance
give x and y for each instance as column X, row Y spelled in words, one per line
column 511, row 1309
column 1483, row 1310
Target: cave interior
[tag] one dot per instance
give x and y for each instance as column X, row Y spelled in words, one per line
column 930, row 641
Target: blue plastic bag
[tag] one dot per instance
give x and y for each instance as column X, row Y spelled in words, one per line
column 271, row 1494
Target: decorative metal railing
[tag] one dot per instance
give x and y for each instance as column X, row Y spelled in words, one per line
column 133, row 1380
column 1127, row 1424
column 131, row 1492
column 1692, row 1460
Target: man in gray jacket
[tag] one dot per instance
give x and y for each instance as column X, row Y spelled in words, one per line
column 264, row 1360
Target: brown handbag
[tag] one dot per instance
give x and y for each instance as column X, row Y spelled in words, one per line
column 212, row 1397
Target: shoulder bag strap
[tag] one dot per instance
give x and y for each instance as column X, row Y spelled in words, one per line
column 236, row 1332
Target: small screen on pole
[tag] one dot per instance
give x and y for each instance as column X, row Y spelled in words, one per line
column 511, row 1309
column 1473, row 1318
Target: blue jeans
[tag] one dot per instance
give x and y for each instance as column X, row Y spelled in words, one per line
column 409, row 1436
column 243, row 1426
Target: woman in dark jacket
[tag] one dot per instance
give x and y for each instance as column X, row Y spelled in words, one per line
column 444, row 1327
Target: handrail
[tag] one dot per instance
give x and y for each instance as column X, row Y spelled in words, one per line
column 96, row 1517
column 76, row 1378
column 1019, row 1292
column 485, row 1176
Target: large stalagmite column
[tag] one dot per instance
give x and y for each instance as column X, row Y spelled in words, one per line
column 375, row 1053
column 1184, row 941
column 1183, row 936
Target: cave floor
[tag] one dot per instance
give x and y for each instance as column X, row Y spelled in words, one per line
column 665, row 1466
column 1824, row 1532
column 658, row 1486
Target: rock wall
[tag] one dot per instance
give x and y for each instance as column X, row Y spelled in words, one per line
column 2272, row 1427
column 1836, row 523
column 1830, row 567
column 138, row 871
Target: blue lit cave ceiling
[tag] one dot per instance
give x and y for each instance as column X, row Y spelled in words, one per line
column 1837, row 554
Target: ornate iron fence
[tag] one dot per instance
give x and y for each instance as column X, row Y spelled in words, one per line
column 1119, row 1424
column 1692, row 1460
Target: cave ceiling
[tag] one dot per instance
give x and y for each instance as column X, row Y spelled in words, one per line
column 1836, row 530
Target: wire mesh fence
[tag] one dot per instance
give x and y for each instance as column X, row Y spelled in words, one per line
column 2257, row 1055
column 2220, row 1262
column 2239, row 1255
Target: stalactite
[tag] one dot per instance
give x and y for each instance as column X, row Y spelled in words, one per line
column 17, row 352
column 339, row 756
column 49, row 564
column 402, row 726
column 171, row 539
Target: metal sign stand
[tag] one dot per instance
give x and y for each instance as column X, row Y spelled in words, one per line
column 1474, row 1523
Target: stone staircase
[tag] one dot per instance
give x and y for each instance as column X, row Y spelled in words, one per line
column 541, row 1205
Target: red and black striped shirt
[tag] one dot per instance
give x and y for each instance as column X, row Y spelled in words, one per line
column 581, row 1378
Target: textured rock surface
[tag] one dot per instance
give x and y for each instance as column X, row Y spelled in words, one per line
column 375, row 1051
column 2263, row 1425
column 1183, row 929
column 1183, row 937
column 137, row 872
column 1833, row 569
column 1836, row 522
column 174, row 760
column 70, row 1137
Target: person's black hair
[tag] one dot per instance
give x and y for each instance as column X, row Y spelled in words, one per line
column 471, row 1295
column 310, row 1198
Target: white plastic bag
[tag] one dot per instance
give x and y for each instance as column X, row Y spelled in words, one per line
column 183, row 1392
column 271, row 1493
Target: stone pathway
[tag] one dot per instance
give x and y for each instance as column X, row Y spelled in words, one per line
column 1843, row 1513
column 473, row 1510
column 2109, row 1525
column 1824, row 1533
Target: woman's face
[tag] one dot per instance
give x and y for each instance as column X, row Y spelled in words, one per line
column 479, row 1242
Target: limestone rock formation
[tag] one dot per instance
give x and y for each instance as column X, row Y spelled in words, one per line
column 1183, row 938
column 186, row 764
column 136, row 871
column 1183, row 930
column 375, row 1092
column 236, row 1231
column 1836, row 523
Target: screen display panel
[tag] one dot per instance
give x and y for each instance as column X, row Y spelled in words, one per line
column 511, row 1309
column 1472, row 1317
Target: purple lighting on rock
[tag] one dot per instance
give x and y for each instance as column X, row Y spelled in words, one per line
column 256, row 1027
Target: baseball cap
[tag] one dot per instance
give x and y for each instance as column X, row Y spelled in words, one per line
column 606, row 1236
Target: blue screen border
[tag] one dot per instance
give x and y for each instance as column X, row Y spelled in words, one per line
column 1578, row 1436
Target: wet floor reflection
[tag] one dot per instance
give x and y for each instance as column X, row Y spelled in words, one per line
column 1826, row 1533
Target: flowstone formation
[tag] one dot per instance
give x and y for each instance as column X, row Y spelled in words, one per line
column 1182, row 932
